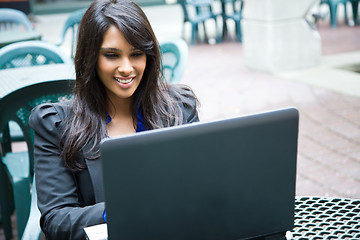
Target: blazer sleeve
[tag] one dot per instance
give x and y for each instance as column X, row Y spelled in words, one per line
column 62, row 215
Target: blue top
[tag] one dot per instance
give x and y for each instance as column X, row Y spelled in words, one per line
column 140, row 121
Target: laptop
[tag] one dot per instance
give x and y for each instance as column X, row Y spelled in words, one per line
column 222, row 180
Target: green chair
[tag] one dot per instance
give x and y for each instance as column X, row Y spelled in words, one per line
column 32, row 229
column 26, row 54
column 12, row 19
column 235, row 15
column 174, row 58
column 202, row 11
column 333, row 4
column 31, row 53
column 17, row 168
column 71, row 24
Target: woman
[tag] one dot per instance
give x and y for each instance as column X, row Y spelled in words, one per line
column 118, row 91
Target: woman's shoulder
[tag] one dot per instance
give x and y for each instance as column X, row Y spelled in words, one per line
column 49, row 114
column 187, row 101
column 182, row 93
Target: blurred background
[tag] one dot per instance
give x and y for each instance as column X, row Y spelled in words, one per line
column 288, row 53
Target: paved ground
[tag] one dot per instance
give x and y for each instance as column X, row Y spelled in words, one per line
column 327, row 97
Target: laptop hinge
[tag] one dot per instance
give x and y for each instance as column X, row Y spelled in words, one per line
column 275, row 236
column 279, row 236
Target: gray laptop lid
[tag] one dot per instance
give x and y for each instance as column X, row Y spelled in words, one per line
column 228, row 179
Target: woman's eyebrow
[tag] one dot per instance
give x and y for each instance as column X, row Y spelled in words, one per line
column 110, row 49
column 117, row 50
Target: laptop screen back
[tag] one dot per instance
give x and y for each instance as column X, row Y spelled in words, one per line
column 228, row 179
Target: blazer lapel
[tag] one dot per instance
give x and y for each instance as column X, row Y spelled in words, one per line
column 95, row 170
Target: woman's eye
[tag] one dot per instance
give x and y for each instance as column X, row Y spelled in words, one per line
column 111, row 55
column 137, row 54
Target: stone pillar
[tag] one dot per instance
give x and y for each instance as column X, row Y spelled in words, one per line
column 276, row 36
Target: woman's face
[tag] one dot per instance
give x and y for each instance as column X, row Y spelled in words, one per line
column 120, row 66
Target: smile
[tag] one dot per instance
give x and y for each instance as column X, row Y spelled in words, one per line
column 124, row 80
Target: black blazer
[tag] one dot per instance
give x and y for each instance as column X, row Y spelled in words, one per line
column 69, row 201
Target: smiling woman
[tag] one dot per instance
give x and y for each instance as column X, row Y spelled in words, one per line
column 119, row 90
column 120, row 67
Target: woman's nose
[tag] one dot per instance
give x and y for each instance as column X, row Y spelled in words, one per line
column 125, row 66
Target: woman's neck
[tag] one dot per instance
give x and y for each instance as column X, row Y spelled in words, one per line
column 122, row 122
column 121, row 107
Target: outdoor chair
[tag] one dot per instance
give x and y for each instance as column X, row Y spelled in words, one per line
column 198, row 12
column 12, row 19
column 26, row 54
column 17, row 168
column 31, row 53
column 235, row 15
column 174, row 58
column 333, row 4
column 32, row 229
column 71, row 24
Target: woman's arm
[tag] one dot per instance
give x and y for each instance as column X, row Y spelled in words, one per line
column 62, row 214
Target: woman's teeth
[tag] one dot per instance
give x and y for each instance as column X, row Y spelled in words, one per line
column 124, row 81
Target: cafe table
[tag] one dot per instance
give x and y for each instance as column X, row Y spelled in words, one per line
column 315, row 218
column 326, row 218
column 15, row 78
column 13, row 36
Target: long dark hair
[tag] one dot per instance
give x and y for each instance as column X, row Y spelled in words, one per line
column 86, row 121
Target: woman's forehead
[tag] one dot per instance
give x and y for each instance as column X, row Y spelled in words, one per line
column 114, row 38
